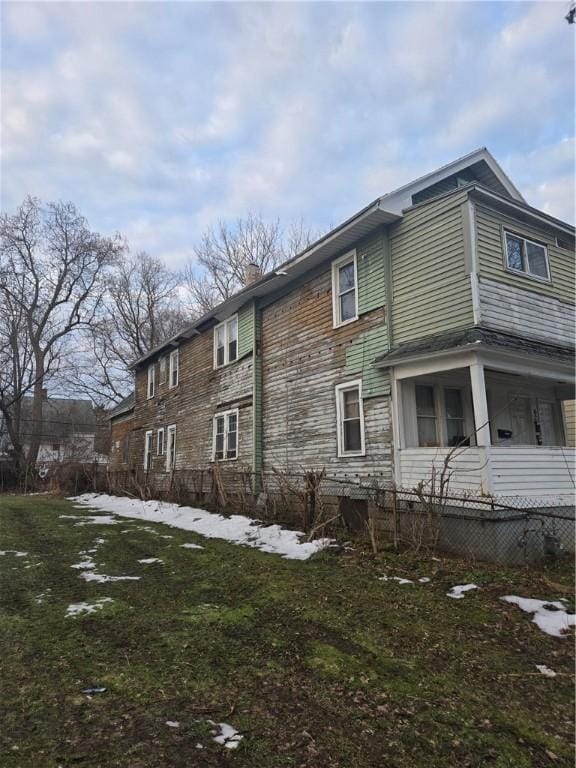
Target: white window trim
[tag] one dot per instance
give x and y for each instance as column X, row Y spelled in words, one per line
column 224, row 324
column 226, row 414
column 411, row 418
column 148, row 451
column 158, row 433
column 348, row 257
column 171, row 430
column 340, row 388
column 151, row 380
column 174, row 355
column 522, row 272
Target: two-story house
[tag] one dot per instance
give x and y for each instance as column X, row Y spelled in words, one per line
column 437, row 319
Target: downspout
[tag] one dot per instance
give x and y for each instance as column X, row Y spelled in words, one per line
column 257, row 399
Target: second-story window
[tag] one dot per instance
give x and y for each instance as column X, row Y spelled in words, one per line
column 345, row 290
column 526, row 256
column 151, row 381
column 174, row 368
column 226, row 342
column 160, row 447
column 163, row 369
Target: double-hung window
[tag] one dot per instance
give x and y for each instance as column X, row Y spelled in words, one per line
column 350, row 419
column 345, row 290
column 151, row 381
column 163, row 369
column 454, row 414
column 171, row 447
column 174, row 368
column 225, row 442
column 426, row 416
column 148, row 450
column 160, row 446
column 226, row 342
column 526, row 256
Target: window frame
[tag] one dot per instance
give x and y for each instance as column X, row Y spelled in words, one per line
column 525, row 272
column 148, row 449
column 160, row 432
column 174, row 355
column 226, row 415
column 151, row 380
column 337, row 264
column 163, row 370
column 170, row 431
column 225, row 325
column 436, row 417
column 339, row 390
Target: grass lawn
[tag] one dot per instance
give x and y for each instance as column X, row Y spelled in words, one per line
column 316, row 663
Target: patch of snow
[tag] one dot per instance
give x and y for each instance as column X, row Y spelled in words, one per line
column 458, row 591
column 550, row 616
column 84, row 565
column 14, row 552
column 92, row 519
column 76, row 609
column 395, row 578
column 424, row 580
column 191, row 546
column 237, row 529
column 102, row 578
column 172, row 723
column 199, row 746
column 228, row 737
column 546, row 671
column 151, row 560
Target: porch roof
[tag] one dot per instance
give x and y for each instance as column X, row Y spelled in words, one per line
column 475, row 338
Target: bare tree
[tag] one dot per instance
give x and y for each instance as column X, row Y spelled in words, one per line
column 52, row 280
column 141, row 310
column 225, row 251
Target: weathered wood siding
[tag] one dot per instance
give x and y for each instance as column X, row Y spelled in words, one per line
column 120, row 434
column 431, row 290
column 490, row 248
column 569, row 408
column 200, row 394
column 304, row 358
column 526, row 313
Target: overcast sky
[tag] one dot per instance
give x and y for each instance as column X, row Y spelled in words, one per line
column 157, row 119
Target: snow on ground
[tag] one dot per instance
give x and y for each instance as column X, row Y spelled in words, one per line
column 237, row 529
column 395, row 578
column 172, row 723
column 458, row 591
column 150, row 560
column 92, row 519
column 546, row 671
column 76, row 609
column 229, row 737
column 550, row 617
column 102, row 578
column 84, row 565
column 191, row 546
column 14, row 552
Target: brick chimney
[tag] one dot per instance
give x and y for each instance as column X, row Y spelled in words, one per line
column 252, row 273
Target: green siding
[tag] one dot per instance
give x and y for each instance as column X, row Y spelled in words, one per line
column 490, row 247
column 360, row 356
column 371, row 276
column 246, row 329
column 431, row 290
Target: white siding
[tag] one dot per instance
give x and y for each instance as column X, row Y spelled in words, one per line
column 533, row 471
column 525, row 313
column 418, row 464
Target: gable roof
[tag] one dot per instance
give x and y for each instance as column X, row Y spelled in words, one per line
column 61, row 417
column 124, row 407
column 382, row 211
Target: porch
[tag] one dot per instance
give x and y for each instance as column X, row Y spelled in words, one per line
column 494, row 417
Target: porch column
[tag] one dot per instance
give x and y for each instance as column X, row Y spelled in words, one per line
column 480, row 404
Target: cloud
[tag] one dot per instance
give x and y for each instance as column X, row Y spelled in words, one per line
column 158, row 120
